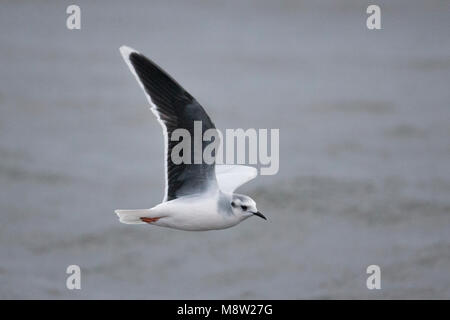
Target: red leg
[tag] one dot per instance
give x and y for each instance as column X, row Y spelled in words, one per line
column 150, row 220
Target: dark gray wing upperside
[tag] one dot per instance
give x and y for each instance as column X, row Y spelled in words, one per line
column 175, row 108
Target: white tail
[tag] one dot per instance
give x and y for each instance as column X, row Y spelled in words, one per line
column 132, row 216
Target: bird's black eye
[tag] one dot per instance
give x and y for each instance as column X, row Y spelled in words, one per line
column 233, row 204
column 244, row 208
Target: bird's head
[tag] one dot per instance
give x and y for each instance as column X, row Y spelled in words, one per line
column 244, row 206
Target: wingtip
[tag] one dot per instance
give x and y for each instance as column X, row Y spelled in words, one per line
column 126, row 51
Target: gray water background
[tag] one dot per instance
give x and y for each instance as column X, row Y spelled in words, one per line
column 364, row 119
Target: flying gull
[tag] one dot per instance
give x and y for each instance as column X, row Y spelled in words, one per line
column 198, row 196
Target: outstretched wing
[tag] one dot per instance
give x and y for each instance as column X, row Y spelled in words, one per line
column 230, row 177
column 175, row 108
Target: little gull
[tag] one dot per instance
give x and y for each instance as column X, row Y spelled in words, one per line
column 198, row 196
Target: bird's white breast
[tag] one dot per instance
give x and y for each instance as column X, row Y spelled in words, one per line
column 194, row 213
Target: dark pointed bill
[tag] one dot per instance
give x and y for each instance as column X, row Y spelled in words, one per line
column 259, row 214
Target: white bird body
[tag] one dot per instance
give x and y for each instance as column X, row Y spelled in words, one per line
column 191, row 213
column 197, row 197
